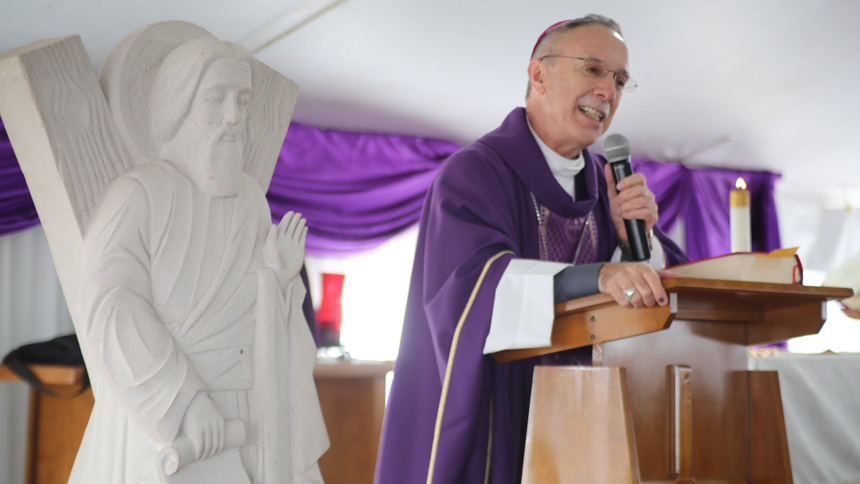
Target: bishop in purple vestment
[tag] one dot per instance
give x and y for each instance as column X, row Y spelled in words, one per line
column 454, row 415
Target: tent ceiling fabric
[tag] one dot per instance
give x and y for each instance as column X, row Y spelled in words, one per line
column 767, row 85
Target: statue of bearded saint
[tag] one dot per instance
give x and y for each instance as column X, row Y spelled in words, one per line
column 200, row 357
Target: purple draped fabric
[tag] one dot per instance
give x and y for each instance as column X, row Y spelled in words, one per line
column 700, row 197
column 357, row 190
column 16, row 207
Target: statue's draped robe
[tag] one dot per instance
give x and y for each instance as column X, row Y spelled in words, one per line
column 180, row 302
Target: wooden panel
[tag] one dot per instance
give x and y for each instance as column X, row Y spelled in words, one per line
column 769, row 457
column 719, row 398
column 56, row 428
column 352, row 398
column 579, row 428
column 782, row 323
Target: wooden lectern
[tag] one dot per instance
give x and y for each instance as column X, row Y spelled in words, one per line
column 668, row 398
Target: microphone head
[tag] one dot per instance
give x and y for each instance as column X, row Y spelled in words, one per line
column 616, row 148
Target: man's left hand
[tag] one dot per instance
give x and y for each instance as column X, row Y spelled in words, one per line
column 634, row 201
column 642, row 281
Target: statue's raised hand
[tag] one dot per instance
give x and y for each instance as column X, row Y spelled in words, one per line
column 285, row 245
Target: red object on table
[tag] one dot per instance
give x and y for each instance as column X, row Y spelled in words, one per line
column 330, row 314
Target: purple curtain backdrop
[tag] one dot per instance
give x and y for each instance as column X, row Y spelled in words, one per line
column 16, row 207
column 700, row 196
column 358, row 190
column 355, row 190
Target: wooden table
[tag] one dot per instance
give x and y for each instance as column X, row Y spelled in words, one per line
column 352, row 398
column 55, row 426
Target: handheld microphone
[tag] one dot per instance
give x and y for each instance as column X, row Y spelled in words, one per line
column 616, row 149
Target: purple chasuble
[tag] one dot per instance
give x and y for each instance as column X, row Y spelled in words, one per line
column 454, row 415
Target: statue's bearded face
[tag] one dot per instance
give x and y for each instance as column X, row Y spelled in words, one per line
column 214, row 129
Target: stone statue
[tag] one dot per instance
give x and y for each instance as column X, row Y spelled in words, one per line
column 185, row 296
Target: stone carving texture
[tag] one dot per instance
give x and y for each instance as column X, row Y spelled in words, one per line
column 150, row 182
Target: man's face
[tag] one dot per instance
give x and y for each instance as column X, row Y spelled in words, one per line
column 580, row 108
column 215, row 127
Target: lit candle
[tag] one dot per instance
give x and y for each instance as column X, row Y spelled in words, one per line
column 739, row 217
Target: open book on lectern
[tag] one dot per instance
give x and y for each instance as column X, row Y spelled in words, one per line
column 781, row 266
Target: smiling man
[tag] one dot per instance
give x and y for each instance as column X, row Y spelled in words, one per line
column 501, row 211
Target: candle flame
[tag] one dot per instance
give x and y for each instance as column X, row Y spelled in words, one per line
column 741, row 184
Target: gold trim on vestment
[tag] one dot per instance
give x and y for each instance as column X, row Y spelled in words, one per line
column 450, row 365
column 490, row 443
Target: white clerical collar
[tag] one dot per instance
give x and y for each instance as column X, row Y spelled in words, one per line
column 563, row 169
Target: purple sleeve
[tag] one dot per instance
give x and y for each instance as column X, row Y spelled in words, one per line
column 470, row 219
column 466, row 239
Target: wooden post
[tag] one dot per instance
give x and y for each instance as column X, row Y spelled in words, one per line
column 580, row 427
column 768, row 452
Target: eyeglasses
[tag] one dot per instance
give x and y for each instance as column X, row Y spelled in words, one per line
column 595, row 70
